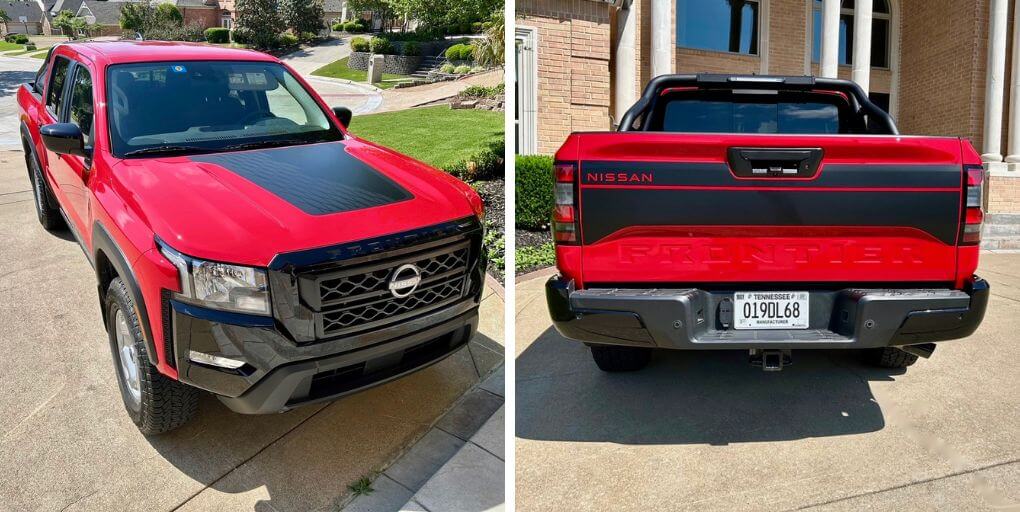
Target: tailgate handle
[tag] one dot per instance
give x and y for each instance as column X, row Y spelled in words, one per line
column 774, row 163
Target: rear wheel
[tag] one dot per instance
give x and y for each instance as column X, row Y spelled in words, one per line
column 620, row 359
column 155, row 402
column 890, row 357
column 49, row 215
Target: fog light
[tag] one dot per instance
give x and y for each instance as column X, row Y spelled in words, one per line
column 222, row 362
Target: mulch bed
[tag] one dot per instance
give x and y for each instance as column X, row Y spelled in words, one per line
column 528, row 238
column 492, row 194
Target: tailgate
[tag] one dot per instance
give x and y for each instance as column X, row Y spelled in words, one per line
column 682, row 208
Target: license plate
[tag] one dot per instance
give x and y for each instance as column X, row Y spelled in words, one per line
column 770, row 310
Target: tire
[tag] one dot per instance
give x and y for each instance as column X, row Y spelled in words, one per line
column 890, row 357
column 620, row 359
column 155, row 402
column 45, row 206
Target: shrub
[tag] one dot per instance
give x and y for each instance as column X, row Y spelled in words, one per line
column 165, row 32
column 381, row 46
column 477, row 69
column 479, row 91
column 447, row 68
column 360, row 44
column 486, row 165
column 21, row 39
column 477, row 27
column 534, row 181
column 242, row 36
column 463, row 69
column 217, row 35
column 288, row 39
column 9, row 38
column 459, row 52
column 411, row 48
column 536, row 257
column 308, row 36
column 337, row 27
column 30, row 46
column 464, row 28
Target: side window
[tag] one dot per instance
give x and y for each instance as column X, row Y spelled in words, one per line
column 55, row 94
column 81, row 103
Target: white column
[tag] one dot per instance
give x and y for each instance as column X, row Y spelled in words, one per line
column 625, row 65
column 862, row 43
column 992, row 149
column 1013, row 156
column 662, row 58
column 829, row 67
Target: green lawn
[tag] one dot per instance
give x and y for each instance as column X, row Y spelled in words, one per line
column 438, row 136
column 339, row 69
column 39, row 55
column 6, row 47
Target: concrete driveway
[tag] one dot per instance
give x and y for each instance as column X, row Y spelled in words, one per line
column 705, row 431
column 67, row 444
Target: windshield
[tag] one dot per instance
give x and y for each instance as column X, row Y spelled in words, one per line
column 196, row 107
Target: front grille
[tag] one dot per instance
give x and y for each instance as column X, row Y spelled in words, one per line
column 358, row 298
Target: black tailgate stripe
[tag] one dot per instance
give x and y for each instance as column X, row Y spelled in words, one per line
column 317, row 178
column 719, row 175
column 605, row 211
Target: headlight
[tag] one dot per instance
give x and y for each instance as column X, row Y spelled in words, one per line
column 219, row 285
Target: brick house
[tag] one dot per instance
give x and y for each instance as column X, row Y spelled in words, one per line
column 26, row 17
column 939, row 67
column 105, row 14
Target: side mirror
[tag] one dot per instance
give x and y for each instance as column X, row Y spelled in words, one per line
column 344, row 114
column 64, row 139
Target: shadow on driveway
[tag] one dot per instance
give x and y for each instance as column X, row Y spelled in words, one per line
column 691, row 397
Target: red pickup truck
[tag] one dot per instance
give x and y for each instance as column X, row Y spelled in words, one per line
column 767, row 214
column 244, row 243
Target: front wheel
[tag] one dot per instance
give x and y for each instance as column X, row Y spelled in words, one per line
column 620, row 359
column 155, row 402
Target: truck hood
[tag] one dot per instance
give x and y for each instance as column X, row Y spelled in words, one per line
column 248, row 206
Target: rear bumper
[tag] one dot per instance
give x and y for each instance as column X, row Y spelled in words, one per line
column 688, row 319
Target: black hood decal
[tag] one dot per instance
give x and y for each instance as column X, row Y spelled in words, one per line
column 317, row 178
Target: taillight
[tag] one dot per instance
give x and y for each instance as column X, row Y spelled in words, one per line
column 973, row 216
column 564, row 226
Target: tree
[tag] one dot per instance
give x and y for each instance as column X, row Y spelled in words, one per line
column 143, row 18
column 168, row 15
column 135, row 16
column 64, row 20
column 302, row 16
column 259, row 22
column 4, row 18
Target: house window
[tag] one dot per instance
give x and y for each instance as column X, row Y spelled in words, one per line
column 526, row 90
column 721, row 25
column 880, row 20
column 226, row 21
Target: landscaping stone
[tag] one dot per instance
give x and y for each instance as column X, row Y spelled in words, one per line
column 359, row 60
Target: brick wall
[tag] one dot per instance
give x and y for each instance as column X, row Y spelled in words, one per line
column 204, row 18
column 1003, row 194
column 788, row 25
column 942, row 67
column 573, row 66
column 690, row 60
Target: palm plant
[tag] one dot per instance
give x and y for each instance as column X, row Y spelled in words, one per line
column 490, row 51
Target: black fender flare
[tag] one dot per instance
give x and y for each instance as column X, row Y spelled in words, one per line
column 103, row 242
column 26, row 136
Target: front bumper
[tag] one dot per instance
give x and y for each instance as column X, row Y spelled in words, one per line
column 280, row 374
column 688, row 318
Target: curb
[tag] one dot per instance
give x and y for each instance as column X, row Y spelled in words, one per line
column 536, row 274
column 362, row 85
column 496, row 286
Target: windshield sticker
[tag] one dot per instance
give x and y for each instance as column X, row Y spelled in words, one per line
column 179, row 69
